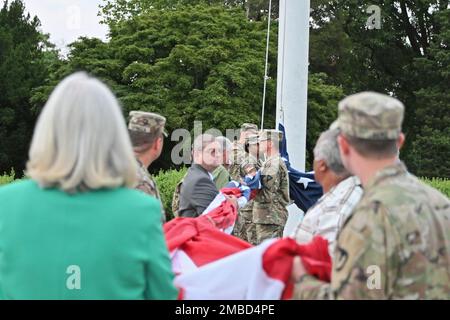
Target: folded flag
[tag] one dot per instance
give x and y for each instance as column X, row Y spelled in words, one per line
column 241, row 191
column 193, row 242
column 234, row 188
column 258, row 273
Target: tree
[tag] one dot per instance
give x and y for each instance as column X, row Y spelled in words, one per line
column 323, row 99
column 429, row 152
column 25, row 55
column 192, row 63
column 114, row 11
column 407, row 57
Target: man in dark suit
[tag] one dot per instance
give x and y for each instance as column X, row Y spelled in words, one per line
column 198, row 189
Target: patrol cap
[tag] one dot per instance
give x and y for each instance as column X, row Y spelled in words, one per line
column 274, row 135
column 147, row 122
column 371, row 116
column 249, row 127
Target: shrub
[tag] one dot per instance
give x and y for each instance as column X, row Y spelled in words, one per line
column 167, row 181
column 8, row 178
column 443, row 185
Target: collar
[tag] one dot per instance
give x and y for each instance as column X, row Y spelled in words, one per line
column 396, row 169
column 275, row 156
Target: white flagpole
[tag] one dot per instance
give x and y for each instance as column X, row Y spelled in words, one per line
column 292, row 79
column 292, row 87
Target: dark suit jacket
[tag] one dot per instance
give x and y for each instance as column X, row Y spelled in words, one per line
column 197, row 192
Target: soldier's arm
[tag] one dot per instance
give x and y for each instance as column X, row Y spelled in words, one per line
column 311, row 288
column 365, row 260
column 248, row 164
column 366, row 256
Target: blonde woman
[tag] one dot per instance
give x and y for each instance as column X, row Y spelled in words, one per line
column 75, row 229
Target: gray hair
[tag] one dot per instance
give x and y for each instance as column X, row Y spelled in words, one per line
column 225, row 143
column 81, row 141
column 327, row 149
column 202, row 141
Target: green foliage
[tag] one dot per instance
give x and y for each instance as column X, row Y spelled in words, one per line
column 25, row 56
column 204, row 60
column 7, row 178
column 114, row 11
column 201, row 63
column 443, row 185
column 167, row 181
column 429, row 152
column 322, row 111
column 408, row 57
column 195, row 63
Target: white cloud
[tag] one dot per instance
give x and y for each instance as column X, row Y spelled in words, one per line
column 66, row 20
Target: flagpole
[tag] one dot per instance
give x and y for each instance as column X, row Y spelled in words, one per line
column 292, row 78
column 292, row 87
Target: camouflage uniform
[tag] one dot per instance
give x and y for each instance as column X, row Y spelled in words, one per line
column 269, row 208
column 176, row 198
column 149, row 123
column 246, row 229
column 238, row 154
column 147, row 184
column 399, row 233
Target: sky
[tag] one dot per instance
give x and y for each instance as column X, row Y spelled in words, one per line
column 66, row 20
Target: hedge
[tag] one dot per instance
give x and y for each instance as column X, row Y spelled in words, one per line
column 167, row 181
column 8, row 178
column 443, row 185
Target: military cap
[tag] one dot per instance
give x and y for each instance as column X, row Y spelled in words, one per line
column 147, row 122
column 270, row 135
column 252, row 139
column 249, row 127
column 371, row 116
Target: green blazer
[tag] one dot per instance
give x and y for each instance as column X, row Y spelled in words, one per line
column 104, row 244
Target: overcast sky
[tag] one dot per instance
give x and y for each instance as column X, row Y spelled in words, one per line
column 66, row 20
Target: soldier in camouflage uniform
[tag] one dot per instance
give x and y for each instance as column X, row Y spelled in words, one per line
column 396, row 244
column 246, row 228
column 238, row 153
column 269, row 208
column 176, row 198
column 147, row 135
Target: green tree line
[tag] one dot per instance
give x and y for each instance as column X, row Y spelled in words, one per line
column 204, row 60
